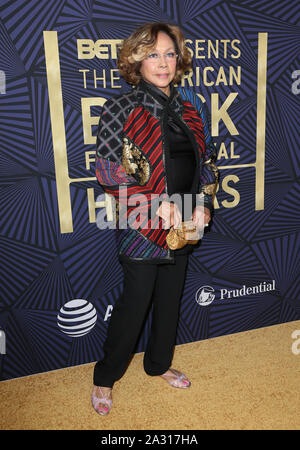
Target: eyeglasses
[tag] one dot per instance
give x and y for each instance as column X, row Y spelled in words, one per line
column 170, row 56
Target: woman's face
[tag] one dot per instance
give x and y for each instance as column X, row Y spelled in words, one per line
column 159, row 67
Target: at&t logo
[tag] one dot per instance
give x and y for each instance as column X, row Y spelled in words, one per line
column 2, row 342
column 204, row 295
column 77, row 317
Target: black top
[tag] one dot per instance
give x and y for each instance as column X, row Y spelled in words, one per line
column 182, row 162
column 182, row 158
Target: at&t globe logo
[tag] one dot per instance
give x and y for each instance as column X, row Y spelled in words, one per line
column 77, row 317
column 204, row 295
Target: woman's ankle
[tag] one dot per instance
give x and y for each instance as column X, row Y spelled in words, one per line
column 100, row 390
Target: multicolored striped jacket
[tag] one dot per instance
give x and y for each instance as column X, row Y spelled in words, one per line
column 132, row 158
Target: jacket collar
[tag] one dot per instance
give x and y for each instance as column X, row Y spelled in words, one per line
column 156, row 102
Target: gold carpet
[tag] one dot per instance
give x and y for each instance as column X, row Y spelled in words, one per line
column 244, row 381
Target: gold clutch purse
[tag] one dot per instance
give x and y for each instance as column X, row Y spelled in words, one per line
column 186, row 234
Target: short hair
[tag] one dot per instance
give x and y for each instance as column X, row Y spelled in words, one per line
column 140, row 43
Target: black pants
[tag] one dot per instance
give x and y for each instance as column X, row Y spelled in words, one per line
column 143, row 283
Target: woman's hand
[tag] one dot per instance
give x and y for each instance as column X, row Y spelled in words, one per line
column 170, row 214
column 201, row 217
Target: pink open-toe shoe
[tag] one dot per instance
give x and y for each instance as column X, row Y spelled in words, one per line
column 102, row 405
column 180, row 380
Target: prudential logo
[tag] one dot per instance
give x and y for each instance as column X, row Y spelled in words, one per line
column 205, row 295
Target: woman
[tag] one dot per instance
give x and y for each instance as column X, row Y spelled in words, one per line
column 152, row 142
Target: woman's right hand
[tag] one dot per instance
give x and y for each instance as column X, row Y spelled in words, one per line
column 170, row 214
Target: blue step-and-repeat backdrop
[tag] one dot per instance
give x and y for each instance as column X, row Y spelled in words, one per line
column 60, row 274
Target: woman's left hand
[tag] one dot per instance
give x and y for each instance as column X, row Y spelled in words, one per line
column 170, row 214
column 201, row 216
